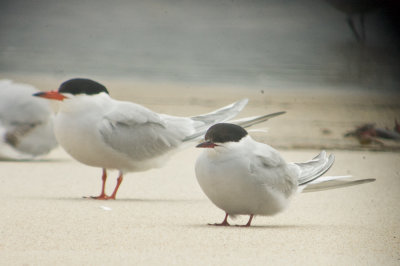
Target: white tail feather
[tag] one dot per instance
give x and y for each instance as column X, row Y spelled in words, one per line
column 226, row 113
column 315, row 168
column 332, row 182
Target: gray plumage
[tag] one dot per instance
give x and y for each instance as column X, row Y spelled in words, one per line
column 244, row 177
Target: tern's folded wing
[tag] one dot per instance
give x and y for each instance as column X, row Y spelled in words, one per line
column 139, row 133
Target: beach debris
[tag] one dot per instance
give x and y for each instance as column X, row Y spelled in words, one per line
column 396, row 126
column 105, row 208
column 326, row 131
column 368, row 133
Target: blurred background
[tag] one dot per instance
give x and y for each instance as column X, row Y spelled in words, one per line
column 279, row 43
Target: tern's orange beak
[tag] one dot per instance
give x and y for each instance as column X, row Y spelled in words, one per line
column 207, row 144
column 51, row 95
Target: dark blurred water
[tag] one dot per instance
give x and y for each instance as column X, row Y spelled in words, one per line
column 254, row 43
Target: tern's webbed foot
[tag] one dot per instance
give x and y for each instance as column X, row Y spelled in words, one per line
column 101, row 197
column 224, row 223
column 242, row 225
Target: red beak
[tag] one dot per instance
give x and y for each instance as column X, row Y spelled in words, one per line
column 52, row 95
column 207, row 144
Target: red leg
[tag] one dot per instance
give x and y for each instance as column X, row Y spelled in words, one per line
column 250, row 219
column 248, row 223
column 224, row 222
column 119, row 180
column 102, row 195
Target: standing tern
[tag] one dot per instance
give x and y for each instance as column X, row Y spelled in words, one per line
column 102, row 132
column 26, row 126
column 244, row 177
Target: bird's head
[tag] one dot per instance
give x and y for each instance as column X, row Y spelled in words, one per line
column 73, row 88
column 223, row 135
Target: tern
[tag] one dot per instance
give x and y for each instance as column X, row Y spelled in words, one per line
column 244, row 177
column 26, row 123
column 100, row 131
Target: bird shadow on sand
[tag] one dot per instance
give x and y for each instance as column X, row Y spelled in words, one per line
column 157, row 200
column 44, row 160
column 255, row 227
column 138, row 200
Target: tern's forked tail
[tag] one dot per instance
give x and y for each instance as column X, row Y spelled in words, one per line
column 205, row 121
column 333, row 182
column 311, row 178
column 221, row 115
column 315, row 168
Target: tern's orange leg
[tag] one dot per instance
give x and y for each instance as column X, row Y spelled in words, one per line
column 224, row 222
column 119, row 180
column 102, row 195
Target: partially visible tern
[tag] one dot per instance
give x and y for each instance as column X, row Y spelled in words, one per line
column 26, row 123
column 244, row 177
column 102, row 132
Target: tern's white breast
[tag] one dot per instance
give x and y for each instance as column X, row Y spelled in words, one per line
column 76, row 129
column 229, row 182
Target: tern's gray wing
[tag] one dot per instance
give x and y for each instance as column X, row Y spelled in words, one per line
column 270, row 169
column 34, row 138
column 141, row 134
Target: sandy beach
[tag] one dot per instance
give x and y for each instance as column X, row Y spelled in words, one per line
column 161, row 216
column 191, row 57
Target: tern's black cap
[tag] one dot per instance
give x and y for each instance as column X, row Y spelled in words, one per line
column 82, row 86
column 225, row 132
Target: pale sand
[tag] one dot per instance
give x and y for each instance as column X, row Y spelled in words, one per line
column 161, row 215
